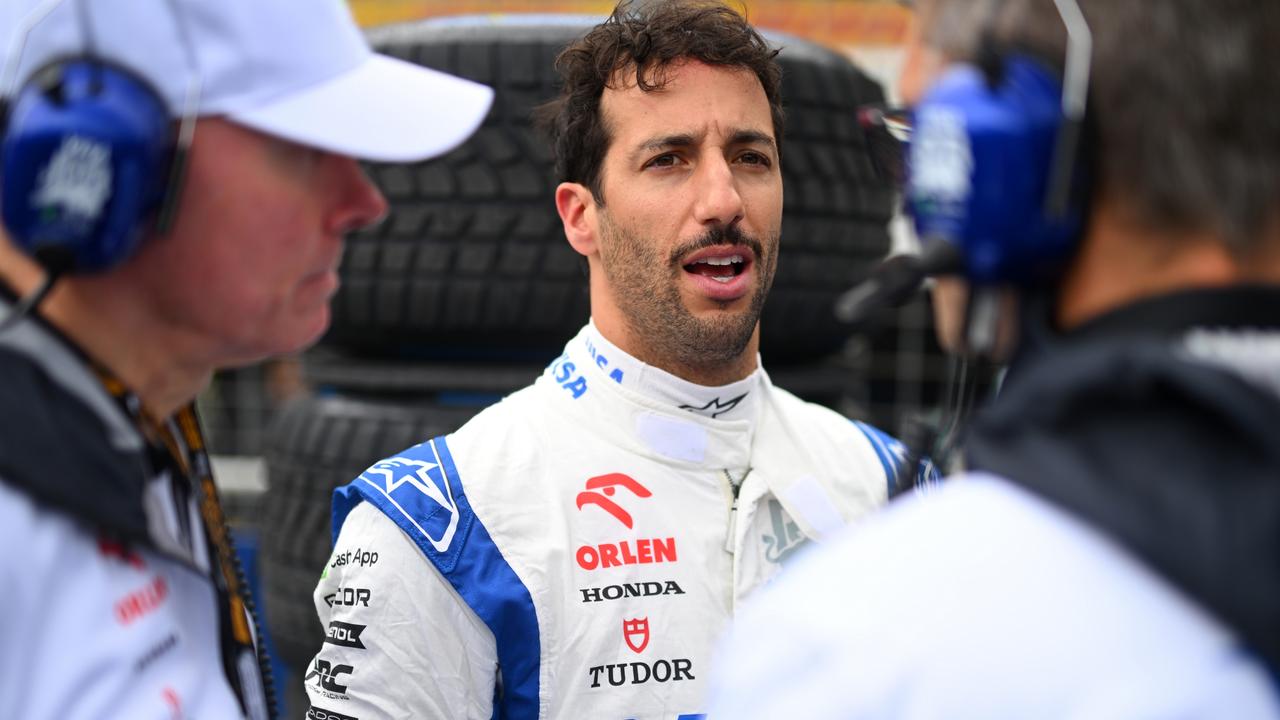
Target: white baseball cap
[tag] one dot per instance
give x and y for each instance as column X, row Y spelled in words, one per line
column 296, row 69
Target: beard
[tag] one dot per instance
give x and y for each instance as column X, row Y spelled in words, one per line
column 646, row 287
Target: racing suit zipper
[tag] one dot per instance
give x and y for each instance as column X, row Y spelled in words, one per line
column 735, row 487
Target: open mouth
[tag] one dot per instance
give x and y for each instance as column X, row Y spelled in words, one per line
column 721, row 269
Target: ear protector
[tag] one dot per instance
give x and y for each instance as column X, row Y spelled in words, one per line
column 87, row 152
column 994, row 167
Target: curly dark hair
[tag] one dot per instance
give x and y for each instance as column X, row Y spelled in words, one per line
column 647, row 38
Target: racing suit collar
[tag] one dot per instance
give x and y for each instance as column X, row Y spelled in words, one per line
column 734, row 401
column 645, row 415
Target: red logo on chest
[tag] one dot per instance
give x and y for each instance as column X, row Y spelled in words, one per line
column 140, row 602
column 636, row 633
column 608, row 485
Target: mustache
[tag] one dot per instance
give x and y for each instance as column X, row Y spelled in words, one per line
column 720, row 235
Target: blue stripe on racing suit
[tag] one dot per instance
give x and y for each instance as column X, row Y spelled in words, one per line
column 892, row 453
column 420, row 491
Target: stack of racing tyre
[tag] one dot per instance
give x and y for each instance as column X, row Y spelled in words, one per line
column 469, row 289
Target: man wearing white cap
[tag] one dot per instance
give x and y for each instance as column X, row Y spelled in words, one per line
column 177, row 180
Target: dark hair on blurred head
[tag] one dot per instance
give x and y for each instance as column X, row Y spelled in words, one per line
column 645, row 39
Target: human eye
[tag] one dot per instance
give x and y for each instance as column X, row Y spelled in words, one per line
column 755, row 158
column 665, row 160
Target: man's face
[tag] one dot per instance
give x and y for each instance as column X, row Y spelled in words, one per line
column 251, row 261
column 688, row 233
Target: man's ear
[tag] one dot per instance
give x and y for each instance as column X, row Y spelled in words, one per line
column 577, row 208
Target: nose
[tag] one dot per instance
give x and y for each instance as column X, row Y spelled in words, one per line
column 357, row 201
column 718, row 201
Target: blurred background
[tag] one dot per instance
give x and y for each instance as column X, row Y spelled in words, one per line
column 468, row 289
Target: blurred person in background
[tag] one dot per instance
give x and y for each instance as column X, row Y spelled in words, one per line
column 1113, row 549
column 177, row 181
column 573, row 551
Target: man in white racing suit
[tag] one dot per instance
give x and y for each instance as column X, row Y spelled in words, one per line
column 574, row 551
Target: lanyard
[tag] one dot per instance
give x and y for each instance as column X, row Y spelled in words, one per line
column 179, row 445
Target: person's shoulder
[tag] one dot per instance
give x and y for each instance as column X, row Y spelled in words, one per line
column 982, row 596
column 506, row 432
column 44, row 542
column 53, row 403
column 803, row 410
column 822, row 424
column 520, row 413
column 31, row 401
column 50, row 394
column 20, row 517
column 982, row 526
column 512, row 433
column 371, row 525
column 842, row 443
column 450, row 478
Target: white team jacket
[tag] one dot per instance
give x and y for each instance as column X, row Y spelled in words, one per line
column 92, row 627
column 575, row 550
column 982, row 601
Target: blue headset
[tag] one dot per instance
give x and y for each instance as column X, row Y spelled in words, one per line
column 994, row 166
column 88, row 153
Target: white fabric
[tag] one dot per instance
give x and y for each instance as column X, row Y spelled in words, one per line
column 297, row 69
column 980, row 600
column 734, row 401
column 90, row 634
column 90, row 631
column 524, row 464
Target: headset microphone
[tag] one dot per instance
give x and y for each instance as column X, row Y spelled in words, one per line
column 895, row 280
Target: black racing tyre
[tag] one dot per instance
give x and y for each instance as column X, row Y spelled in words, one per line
column 315, row 445
column 837, row 209
column 472, row 257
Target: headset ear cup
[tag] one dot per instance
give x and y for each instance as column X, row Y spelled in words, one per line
column 86, row 155
column 985, row 164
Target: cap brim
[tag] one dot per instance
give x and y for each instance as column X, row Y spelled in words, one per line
column 384, row 110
